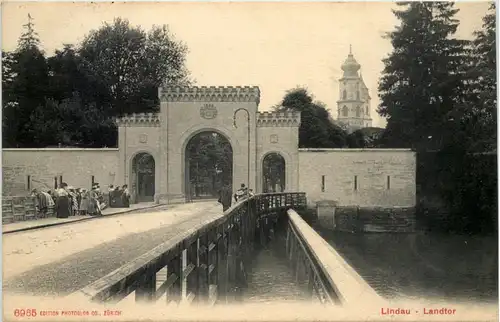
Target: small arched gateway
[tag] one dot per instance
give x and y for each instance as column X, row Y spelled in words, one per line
column 274, row 173
column 142, row 186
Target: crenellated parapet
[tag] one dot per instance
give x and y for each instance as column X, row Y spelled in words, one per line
column 209, row 94
column 283, row 119
column 140, row 119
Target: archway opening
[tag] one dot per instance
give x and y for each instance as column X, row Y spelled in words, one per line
column 143, row 177
column 274, row 173
column 208, row 165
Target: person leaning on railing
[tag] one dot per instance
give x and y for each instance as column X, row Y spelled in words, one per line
column 241, row 193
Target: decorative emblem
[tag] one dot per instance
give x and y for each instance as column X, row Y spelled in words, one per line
column 208, row 111
column 143, row 138
column 274, row 138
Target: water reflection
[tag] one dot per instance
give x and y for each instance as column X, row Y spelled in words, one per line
column 423, row 265
column 271, row 278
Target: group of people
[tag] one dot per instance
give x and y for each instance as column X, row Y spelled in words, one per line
column 226, row 195
column 68, row 201
column 119, row 196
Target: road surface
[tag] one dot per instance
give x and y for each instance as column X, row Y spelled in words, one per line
column 59, row 260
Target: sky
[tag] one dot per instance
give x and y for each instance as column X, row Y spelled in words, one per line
column 274, row 45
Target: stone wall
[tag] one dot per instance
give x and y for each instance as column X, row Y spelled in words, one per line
column 44, row 166
column 375, row 219
column 359, row 177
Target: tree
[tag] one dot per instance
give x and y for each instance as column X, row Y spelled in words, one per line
column 66, row 76
column 479, row 114
column 316, row 130
column 131, row 64
column 422, row 81
column 26, row 88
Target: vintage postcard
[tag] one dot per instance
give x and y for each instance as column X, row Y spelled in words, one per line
column 227, row 161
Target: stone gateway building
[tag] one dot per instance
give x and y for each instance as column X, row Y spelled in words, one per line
column 152, row 156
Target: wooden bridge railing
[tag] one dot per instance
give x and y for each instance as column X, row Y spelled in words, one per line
column 22, row 208
column 325, row 273
column 306, row 262
column 19, row 208
column 204, row 264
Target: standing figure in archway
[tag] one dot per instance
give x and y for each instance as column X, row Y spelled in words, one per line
column 225, row 196
column 125, row 196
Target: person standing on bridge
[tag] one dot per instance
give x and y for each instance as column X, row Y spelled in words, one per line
column 225, row 195
column 242, row 193
column 125, row 196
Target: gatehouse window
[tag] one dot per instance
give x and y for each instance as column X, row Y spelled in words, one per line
column 345, row 111
column 28, row 183
column 355, row 183
column 388, row 182
column 358, row 111
column 322, row 183
column 367, row 110
column 344, row 94
column 357, row 95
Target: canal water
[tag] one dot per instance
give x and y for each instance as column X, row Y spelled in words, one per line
column 270, row 277
column 422, row 265
column 398, row 266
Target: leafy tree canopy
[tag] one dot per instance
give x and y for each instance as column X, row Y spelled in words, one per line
column 422, row 82
column 116, row 69
column 316, row 129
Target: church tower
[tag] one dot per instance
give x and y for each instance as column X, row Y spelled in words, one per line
column 353, row 105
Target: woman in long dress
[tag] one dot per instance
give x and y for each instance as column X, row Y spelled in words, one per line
column 74, row 201
column 94, row 207
column 85, row 203
column 63, row 205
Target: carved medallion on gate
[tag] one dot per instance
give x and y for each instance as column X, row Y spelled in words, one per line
column 208, row 111
column 274, row 138
column 143, row 138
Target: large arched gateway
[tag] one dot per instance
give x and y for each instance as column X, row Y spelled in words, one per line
column 204, row 137
column 208, row 165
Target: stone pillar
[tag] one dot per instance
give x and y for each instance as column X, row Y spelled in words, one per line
column 325, row 210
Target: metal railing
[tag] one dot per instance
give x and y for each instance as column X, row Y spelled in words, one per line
column 205, row 264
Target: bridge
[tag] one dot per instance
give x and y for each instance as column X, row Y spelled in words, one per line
column 195, row 255
column 205, row 259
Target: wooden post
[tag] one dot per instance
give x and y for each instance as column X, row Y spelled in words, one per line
column 227, row 278
column 146, row 289
column 297, row 263
column 287, row 243
column 202, row 263
column 310, row 284
column 184, row 283
column 174, row 267
column 193, row 278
